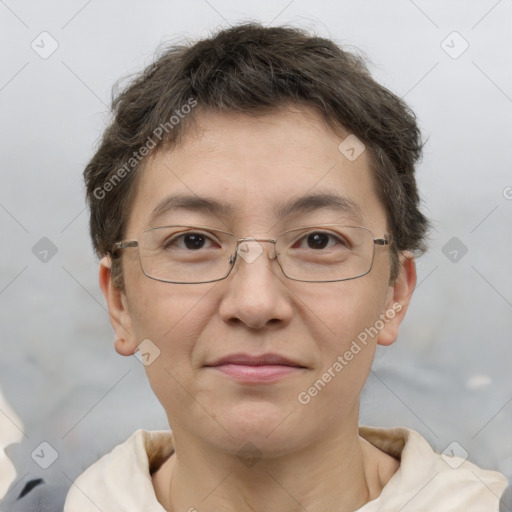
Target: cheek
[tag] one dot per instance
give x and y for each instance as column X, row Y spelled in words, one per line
column 169, row 314
column 346, row 310
column 349, row 314
column 172, row 317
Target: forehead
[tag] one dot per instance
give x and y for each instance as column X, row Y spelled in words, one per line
column 257, row 172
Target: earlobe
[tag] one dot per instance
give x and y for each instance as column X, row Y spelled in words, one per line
column 125, row 341
column 123, row 348
column 399, row 297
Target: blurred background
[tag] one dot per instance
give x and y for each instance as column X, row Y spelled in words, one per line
column 448, row 376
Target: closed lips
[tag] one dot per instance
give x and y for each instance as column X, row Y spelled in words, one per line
column 262, row 360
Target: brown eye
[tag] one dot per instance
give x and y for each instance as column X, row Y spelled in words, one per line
column 191, row 241
column 194, row 241
column 318, row 240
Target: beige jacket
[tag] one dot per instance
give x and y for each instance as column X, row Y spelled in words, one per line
column 425, row 482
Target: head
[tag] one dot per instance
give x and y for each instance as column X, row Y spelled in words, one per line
column 252, row 120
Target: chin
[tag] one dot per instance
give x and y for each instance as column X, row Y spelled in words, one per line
column 267, row 426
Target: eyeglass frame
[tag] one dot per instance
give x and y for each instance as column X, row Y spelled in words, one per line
column 386, row 240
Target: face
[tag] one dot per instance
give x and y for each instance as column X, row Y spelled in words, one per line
column 253, row 167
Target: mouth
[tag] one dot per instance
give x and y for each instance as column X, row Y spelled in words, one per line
column 256, row 369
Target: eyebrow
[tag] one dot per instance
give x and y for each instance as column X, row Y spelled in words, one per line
column 317, row 201
column 305, row 204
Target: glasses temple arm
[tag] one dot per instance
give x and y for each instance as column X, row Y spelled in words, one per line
column 124, row 244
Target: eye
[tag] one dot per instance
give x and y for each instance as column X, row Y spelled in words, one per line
column 318, row 240
column 189, row 241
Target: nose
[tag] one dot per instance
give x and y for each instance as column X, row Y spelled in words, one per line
column 255, row 294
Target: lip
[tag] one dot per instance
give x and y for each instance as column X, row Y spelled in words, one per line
column 256, row 369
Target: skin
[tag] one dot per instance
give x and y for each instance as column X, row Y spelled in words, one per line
column 309, row 456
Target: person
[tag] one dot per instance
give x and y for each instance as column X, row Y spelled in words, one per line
column 255, row 209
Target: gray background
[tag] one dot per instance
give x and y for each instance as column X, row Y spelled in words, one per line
column 449, row 374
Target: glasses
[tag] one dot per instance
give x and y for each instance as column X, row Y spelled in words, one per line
column 198, row 254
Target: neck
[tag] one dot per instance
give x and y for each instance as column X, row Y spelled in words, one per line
column 339, row 473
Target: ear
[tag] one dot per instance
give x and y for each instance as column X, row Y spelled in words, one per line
column 120, row 317
column 397, row 302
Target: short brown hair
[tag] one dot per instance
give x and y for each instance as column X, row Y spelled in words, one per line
column 252, row 69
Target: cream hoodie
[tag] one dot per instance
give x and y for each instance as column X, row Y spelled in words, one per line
column 425, row 482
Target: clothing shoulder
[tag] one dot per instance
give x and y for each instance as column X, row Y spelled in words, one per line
column 428, row 481
column 121, row 479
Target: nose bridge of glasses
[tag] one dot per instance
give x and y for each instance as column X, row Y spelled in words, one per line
column 250, row 239
column 249, row 249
